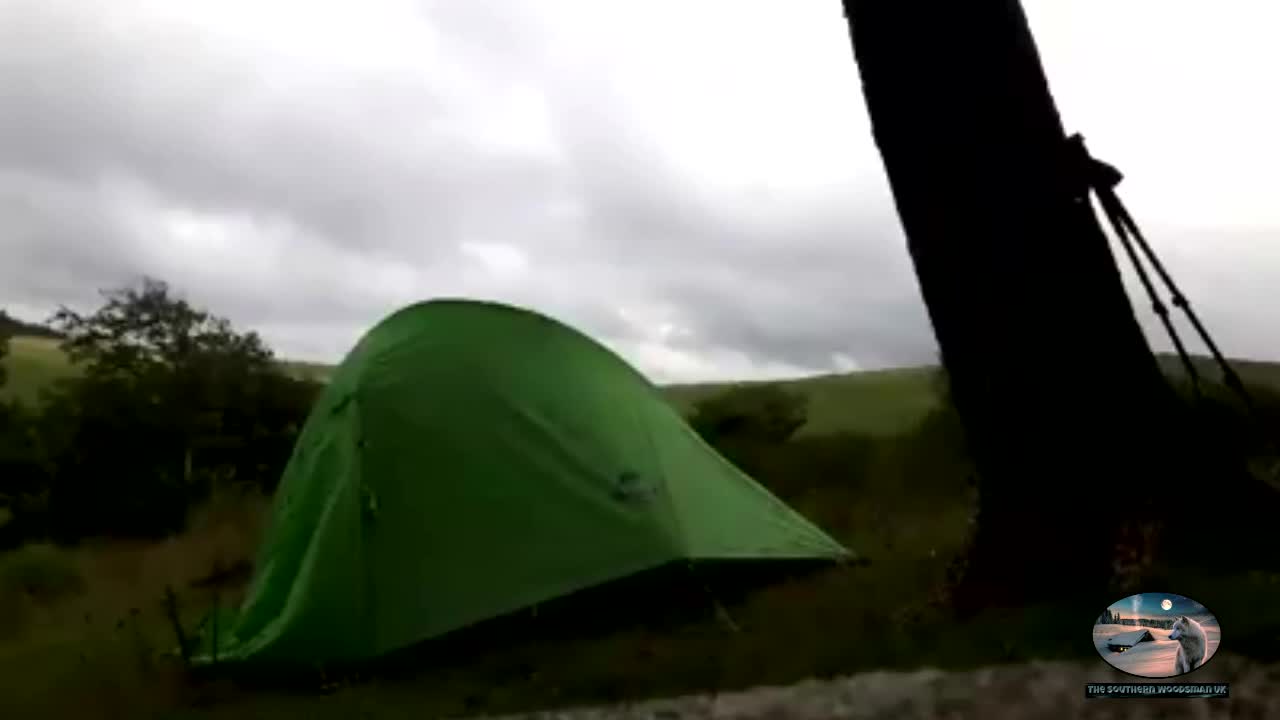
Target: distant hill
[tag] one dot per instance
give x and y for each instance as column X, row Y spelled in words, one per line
column 876, row 402
column 1255, row 372
column 12, row 326
column 35, row 362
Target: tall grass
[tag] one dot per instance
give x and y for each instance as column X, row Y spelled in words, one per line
column 98, row 644
column 88, row 635
column 83, row 631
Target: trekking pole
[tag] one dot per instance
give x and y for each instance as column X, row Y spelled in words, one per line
column 1229, row 375
column 171, row 610
column 1102, row 179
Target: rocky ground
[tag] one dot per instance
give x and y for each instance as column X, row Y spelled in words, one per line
column 1036, row 690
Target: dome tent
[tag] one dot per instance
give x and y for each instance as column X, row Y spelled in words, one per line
column 471, row 459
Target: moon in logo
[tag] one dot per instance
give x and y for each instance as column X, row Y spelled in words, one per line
column 1166, row 604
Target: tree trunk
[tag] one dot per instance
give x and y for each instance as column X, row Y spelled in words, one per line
column 1050, row 372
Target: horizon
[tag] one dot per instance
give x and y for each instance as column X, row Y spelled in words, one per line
column 333, row 363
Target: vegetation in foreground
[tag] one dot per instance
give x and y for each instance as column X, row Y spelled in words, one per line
column 84, row 630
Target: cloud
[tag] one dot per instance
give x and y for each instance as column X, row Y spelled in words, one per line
column 694, row 184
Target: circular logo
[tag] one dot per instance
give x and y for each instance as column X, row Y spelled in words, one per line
column 1156, row 635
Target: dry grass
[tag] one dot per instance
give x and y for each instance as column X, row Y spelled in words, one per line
column 93, row 639
column 33, row 363
column 105, row 649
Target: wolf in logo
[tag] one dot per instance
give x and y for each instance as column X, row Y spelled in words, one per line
column 1191, row 644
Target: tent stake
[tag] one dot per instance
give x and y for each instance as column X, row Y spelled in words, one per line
column 171, row 609
column 721, row 613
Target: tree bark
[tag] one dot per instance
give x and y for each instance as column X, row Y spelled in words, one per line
column 1055, row 383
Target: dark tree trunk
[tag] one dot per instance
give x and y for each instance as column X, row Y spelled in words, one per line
column 1058, row 390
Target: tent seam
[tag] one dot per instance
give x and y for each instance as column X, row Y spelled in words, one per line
column 369, row 590
column 681, row 535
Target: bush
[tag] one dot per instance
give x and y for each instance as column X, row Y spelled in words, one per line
column 169, row 396
column 754, row 427
column 23, row 479
column 763, row 413
column 747, row 422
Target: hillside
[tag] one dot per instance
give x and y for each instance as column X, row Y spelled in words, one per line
column 10, row 325
column 1256, row 372
column 36, row 362
column 878, row 402
column 33, row 363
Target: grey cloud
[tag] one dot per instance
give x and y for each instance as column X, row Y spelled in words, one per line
column 322, row 182
column 57, row 234
column 352, row 158
column 373, row 177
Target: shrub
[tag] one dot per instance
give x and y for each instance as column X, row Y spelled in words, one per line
column 170, row 396
column 764, row 413
column 747, row 422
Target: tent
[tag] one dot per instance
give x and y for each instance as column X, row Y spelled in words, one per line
column 470, row 459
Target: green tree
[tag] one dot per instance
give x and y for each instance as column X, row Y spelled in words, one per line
column 143, row 330
column 170, row 397
column 4, row 352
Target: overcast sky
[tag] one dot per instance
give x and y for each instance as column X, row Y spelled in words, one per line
column 697, row 188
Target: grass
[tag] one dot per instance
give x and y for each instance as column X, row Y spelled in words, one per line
column 838, row 620
column 83, row 632
column 879, row 402
column 98, row 648
column 35, row 362
column 94, row 640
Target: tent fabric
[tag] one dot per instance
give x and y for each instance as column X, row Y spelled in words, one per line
column 471, row 459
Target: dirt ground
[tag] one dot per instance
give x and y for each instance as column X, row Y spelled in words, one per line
column 1035, row 690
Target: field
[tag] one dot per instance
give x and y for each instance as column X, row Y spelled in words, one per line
column 33, row 363
column 881, row 402
column 83, row 631
column 878, row 402
column 36, row 362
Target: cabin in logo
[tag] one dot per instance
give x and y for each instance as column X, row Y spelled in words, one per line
column 1126, row 640
column 469, row 460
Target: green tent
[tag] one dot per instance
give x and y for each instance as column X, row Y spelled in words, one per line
column 471, row 459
